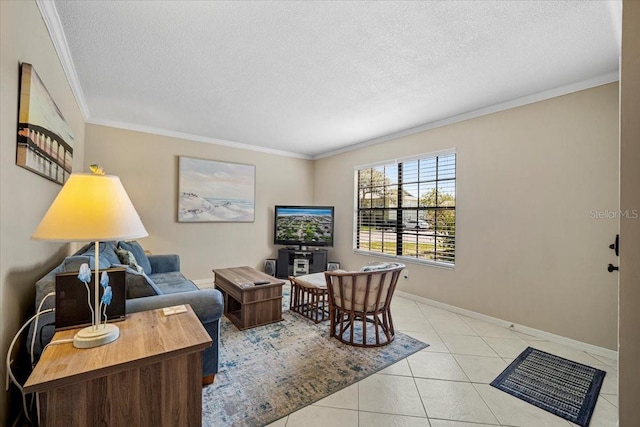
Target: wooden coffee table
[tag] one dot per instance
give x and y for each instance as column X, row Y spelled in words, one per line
column 246, row 303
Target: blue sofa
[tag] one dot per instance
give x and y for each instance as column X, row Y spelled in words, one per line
column 152, row 282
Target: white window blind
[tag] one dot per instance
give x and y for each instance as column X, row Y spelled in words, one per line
column 408, row 208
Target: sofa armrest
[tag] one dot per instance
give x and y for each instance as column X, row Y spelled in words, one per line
column 206, row 303
column 164, row 263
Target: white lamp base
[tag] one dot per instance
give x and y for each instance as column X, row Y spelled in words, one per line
column 89, row 337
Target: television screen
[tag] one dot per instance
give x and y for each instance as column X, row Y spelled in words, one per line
column 303, row 225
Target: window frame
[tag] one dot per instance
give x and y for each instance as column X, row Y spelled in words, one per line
column 399, row 208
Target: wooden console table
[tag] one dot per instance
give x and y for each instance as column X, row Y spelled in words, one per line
column 246, row 304
column 150, row 376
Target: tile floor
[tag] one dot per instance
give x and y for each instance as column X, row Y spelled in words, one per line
column 447, row 384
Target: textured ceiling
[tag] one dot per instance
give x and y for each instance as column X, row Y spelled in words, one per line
column 310, row 78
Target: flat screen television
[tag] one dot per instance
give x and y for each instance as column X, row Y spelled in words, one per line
column 303, row 225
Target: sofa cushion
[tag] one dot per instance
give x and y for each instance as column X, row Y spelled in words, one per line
column 380, row 266
column 362, row 282
column 172, row 282
column 313, row 280
column 164, row 263
column 139, row 284
column 73, row 263
column 137, row 251
column 46, row 285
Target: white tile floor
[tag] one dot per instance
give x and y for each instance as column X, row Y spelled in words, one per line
column 447, row 384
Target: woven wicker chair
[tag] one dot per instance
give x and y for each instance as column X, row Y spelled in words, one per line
column 359, row 304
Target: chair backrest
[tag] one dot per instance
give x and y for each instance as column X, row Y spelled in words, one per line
column 363, row 291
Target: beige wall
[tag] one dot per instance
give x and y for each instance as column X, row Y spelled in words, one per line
column 528, row 249
column 148, row 168
column 629, row 352
column 25, row 196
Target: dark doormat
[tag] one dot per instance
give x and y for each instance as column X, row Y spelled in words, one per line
column 557, row 385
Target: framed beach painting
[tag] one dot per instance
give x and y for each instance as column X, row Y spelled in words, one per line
column 45, row 141
column 213, row 191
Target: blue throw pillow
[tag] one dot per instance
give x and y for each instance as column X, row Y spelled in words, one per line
column 107, row 252
column 137, row 251
column 83, row 249
column 73, row 263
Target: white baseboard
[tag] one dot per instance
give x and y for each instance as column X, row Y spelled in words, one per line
column 600, row 351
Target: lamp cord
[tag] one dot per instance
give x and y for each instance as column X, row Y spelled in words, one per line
column 35, row 327
column 10, row 376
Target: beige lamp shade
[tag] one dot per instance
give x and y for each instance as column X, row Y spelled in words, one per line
column 91, row 207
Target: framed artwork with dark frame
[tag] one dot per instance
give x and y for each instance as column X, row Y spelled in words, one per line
column 45, row 141
column 215, row 191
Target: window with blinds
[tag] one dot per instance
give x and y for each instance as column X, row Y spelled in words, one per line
column 408, row 209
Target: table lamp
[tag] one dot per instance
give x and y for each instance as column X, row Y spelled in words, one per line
column 92, row 208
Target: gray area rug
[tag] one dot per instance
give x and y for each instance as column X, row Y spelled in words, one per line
column 271, row 371
column 565, row 388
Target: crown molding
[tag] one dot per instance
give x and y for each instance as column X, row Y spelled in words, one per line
column 518, row 102
column 56, row 32
column 196, row 138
